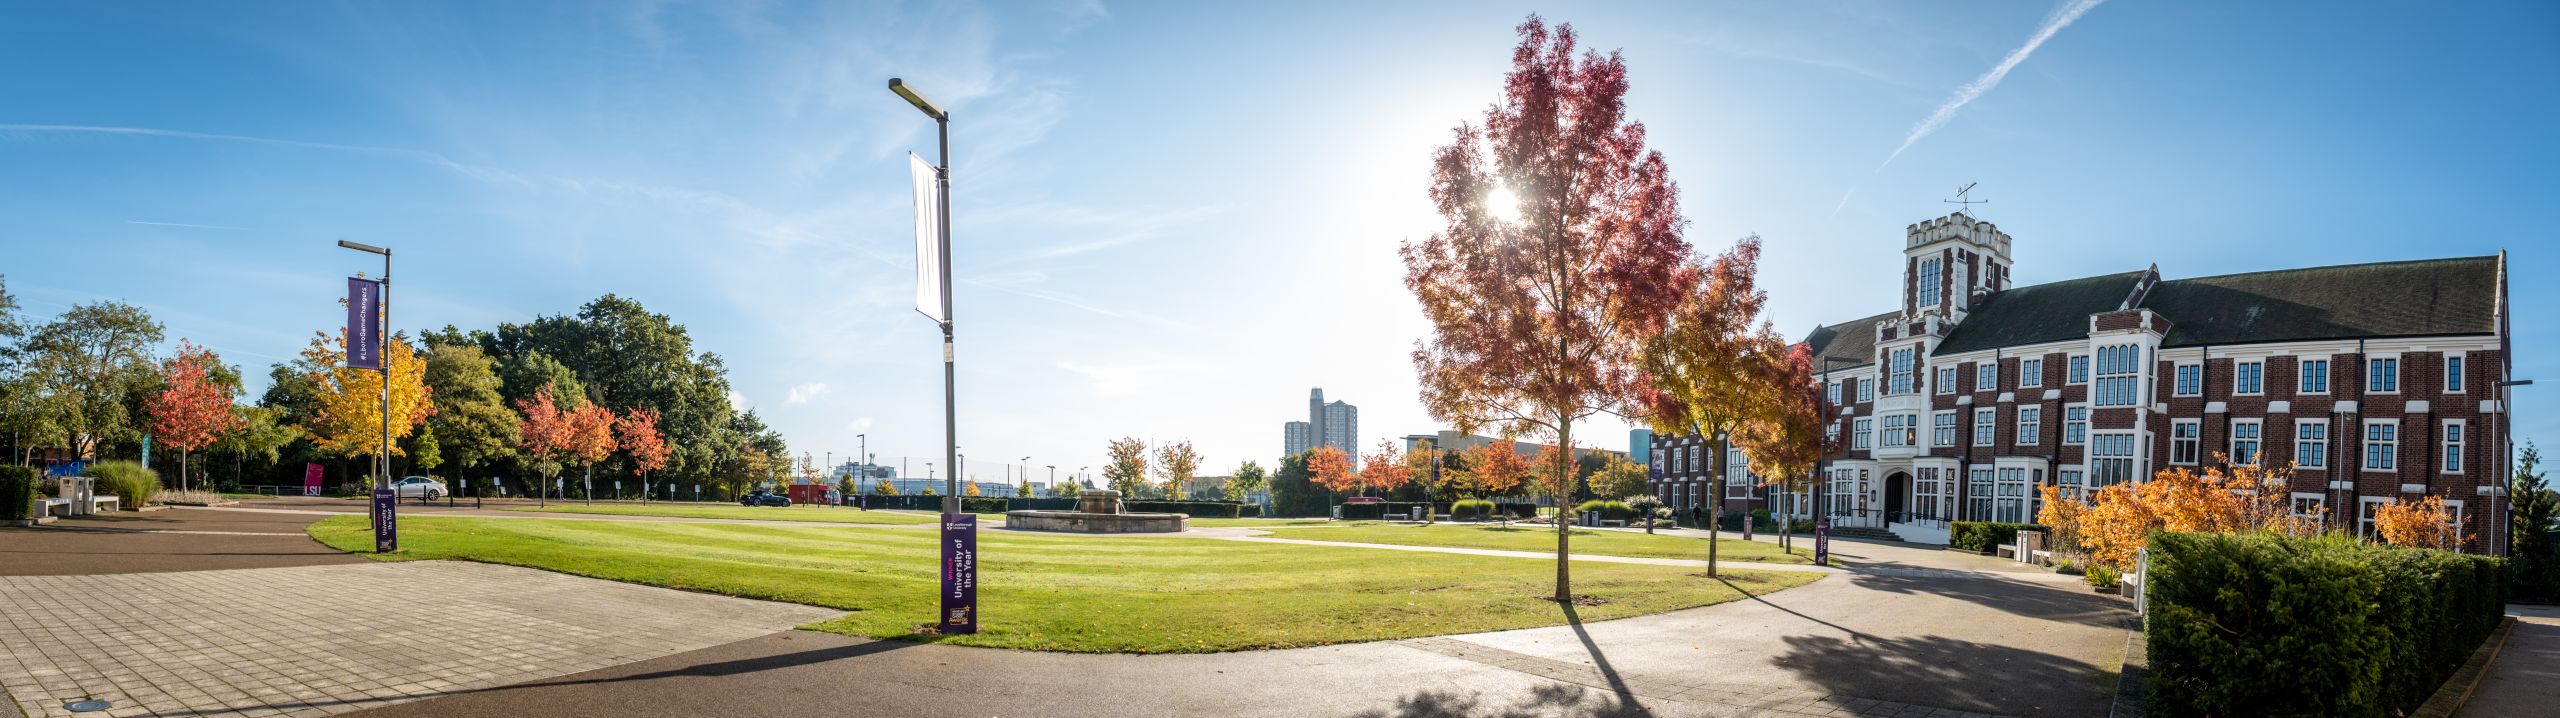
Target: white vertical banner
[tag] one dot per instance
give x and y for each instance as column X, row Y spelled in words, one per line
column 928, row 238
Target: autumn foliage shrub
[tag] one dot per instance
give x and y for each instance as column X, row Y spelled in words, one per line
column 2261, row 624
column 2119, row 519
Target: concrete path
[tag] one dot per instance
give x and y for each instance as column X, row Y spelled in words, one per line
column 2526, row 679
column 319, row 640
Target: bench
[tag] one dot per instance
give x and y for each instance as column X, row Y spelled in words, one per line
column 77, row 495
column 52, row 507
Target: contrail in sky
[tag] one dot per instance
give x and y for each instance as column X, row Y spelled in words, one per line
column 2061, row 18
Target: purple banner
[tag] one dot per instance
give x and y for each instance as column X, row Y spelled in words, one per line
column 386, row 526
column 1822, row 542
column 959, row 574
column 364, row 324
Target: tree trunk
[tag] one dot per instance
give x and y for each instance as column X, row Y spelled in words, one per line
column 1715, row 534
column 1564, row 531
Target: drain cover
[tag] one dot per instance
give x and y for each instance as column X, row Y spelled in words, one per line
column 92, row 705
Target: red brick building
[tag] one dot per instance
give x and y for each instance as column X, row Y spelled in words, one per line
column 2376, row 382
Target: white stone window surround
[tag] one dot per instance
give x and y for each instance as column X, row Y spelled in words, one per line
column 2242, row 383
column 2030, row 372
column 1986, row 427
column 2186, row 442
column 2030, row 425
column 2379, row 446
column 2451, row 438
column 2310, row 448
column 2249, row 434
column 2077, row 368
column 2305, row 499
column 2456, row 364
column 2380, row 371
column 2304, row 374
column 2187, row 378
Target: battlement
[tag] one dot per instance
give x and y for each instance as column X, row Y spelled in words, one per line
column 1960, row 226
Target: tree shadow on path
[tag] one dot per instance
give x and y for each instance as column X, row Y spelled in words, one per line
column 2048, row 603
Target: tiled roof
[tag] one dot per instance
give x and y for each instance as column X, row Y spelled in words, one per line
column 2049, row 312
column 2428, row 297
column 1852, row 342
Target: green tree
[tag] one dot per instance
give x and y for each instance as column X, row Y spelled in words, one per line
column 1248, row 478
column 91, row 366
column 1022, row 490
column 473, row 426
column 1126, row 470
column 424, row 452
column 1294, row 491
column 1619, row 480
column 2534, row 514
column 259, row 438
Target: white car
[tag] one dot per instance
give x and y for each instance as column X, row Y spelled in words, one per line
column 419, row 487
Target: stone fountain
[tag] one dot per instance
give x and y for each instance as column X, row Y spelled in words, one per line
column 1097, row 512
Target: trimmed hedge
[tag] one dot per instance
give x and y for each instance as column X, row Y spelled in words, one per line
column 2264, row 625
column 1470, row 510
column 1609, row 510
column 1984, row 537
column 19, row 487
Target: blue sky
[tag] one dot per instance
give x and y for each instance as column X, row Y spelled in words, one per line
column 1173, row 219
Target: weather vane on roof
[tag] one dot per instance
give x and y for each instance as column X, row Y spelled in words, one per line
column 1962, row 199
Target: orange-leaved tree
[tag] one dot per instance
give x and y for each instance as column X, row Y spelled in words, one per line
column 2423, row 523
column 638, row 433
column 1328, row 466
column 1178, row 464
column 192, row 409
column 1784, row 440
column 1496, row 467
column 1386, row 469
column 1561, row 256
column 546, row 436
column 2238, row 499
column 347, row 419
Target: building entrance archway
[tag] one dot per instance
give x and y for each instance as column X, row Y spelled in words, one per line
column 1897, row 497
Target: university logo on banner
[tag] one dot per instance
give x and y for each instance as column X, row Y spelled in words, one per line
column 364, row 324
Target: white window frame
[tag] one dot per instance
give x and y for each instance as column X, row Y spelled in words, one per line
column 2249, row 377
column 2454, row 364
column 1862, row 433
column 2010, row 494
column 2030, row 425
column 2186, row 442
column 2069, row 482
column 2372, row 363
column 2318, row 502
column 2365, row 506
column 1930, row 287
column 2380, row 450
column 2453, row 510
column 1866, row 389
column 2180, row 376
column 1834, row 389
column 2256, row 438
column 1979, row 488
column 2302, row 444
column 1986, row 375
column 1903, row 366
column 2031, row 372
column 1946, row 380
column 2302, row 375
column 1942, row 429
column 1986, row 427
column 2450, row 438
column 2124, row 375
column 2102, row 463
column 1737, row 474
column 2075, row 369
column 1898, row 430
column 2075, row 429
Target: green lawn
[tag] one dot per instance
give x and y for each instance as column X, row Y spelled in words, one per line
column 1543, row 538
column 1257, row 523
column 1075, row 593
column 815, row 514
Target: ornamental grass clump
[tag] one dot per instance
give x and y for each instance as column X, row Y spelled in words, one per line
column 128, row 481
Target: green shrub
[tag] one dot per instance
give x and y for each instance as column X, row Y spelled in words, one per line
column 131, row 484
column 2101, row 575
column 1249, row 511
column 2260, row 625
column 982, row 505
column 1984, row 537
column 1609, row 510
column 19, row 487
column 1471, row 509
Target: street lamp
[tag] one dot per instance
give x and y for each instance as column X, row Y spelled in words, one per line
column 942, row 180
column 382, row 468
column 862, row 467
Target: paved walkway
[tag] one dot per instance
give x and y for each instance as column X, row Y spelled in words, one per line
column 2526, row 679
column 319, row 640
column 172, row 540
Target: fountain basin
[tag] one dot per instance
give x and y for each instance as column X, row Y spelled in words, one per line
column 1084, row 522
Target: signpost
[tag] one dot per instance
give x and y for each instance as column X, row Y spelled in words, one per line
column 366, row 315
column 959, row 574
column 386, row 538
column 1822, row 542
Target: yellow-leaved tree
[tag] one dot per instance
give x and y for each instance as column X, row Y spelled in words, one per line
column 2417, row 524
column 348, row 419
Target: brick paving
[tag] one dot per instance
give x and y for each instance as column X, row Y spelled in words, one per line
column 321, row 640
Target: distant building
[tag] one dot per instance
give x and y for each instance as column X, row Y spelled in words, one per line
column 1294, row 438
column 1455, row 441
column 1640, row 446
column 1336, row 425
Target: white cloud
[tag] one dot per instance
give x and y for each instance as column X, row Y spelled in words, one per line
column 859, row 425
column 803, row 393
column 737, row 401
column 1120, row 381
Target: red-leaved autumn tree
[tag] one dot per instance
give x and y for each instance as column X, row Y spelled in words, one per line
column 1539, row 314
column 553, row 436
column 638, row 432
column 1784, row 439
column 1496, row 467
column 1388, row 468
column 192, row 410
column 1330, row 468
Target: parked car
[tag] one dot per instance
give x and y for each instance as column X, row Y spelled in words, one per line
column 419, row 487
column 760, row 497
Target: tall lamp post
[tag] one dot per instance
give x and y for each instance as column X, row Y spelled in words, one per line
column 385, row 519
column 942, row 177
column 862, row 462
